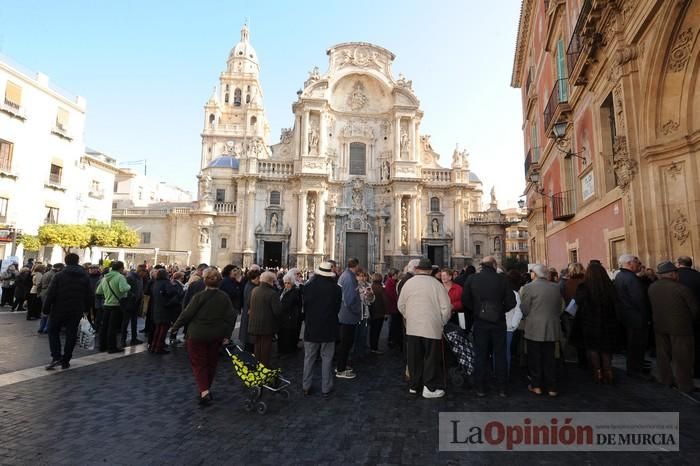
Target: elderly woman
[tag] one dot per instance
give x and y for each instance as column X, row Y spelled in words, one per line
column 34, row 302
column 541, row 304
column 290, row 308
column 8, row 285
column 262, row 316
column 166, row 299
column 22, row 286
column 209, row 318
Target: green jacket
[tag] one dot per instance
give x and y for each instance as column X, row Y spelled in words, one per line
column 208, row 316
column 119, row 285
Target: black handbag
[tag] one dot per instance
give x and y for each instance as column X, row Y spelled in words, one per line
column 490, row 312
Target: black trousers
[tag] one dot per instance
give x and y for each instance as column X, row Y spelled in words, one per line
column 111, row 318
column 424, row 357
column 490, row 340
column 637, row 341
column 55, row 325
column 8, row 296
column 129, row 316
column 396, row 330
column 375, row 329
column 347, row 338
column 542, row 365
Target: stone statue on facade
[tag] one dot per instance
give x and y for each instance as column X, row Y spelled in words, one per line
column 404, row 141
column 311, row 209
column 313, row 140
column 310, row 234
column 204, row 236
column 314, row 74
column 436, row 226
column 286, row 136
column 357, row 98
column 273, row 223
column 205, row 183
column 403, row 82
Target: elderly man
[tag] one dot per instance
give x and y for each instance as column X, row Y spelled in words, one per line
column 322, row 304
column 541, row 304
column 426, row 306
column 349, row 316
column 633, row 311
column 263, row 314
column 674, row 308
column 690, row 277
column 487, row 295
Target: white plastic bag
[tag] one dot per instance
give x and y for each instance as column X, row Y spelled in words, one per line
column 572, row 308
column 86, row 338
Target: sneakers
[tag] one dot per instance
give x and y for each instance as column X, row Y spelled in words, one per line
column 346, row 374
column 437, row 393
column 54, row 364
column 65, row 365
column 377, row 352
column 412, row 391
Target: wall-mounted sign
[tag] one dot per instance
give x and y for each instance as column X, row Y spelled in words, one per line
column 587, row 186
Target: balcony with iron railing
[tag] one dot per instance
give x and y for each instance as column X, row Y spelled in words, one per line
column 574, row 51
column 532, row 160
column 557, row 104
column 564, row 205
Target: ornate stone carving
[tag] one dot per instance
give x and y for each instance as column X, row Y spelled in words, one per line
column 314, row 74
column 357, row 194
column 670, row 127
column 205, row 188
column 435, row 226
column 357, row 99
column 362, row 57
column 310, row 220
column 680, row 53
column 256, row 147
column 313, row 140
column 619, row 107
column 286, row 135
column 204, row 236
column 405, row 83
column 425, row 142
column 404, row 223
column 404, row 141
column 386, row 128
column 273, row 222
column 679, row 227
column 358, row 128
column 675, row 170
column 625, row 168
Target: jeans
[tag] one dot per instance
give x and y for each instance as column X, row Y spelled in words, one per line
column 347, row 337
column 490, row 335
column 311, row 350
column 359, row 347
column 44, row 324
column 129, row 316
column 55, row 324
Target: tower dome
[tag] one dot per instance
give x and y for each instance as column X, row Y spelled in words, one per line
column 244, row 49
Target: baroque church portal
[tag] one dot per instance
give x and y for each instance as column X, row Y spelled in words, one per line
column 352, row 176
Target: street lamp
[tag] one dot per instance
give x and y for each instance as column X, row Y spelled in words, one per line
column 521, row 203
column 560, row 140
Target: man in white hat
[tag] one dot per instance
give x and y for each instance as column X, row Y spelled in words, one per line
column 322, row 300
column 426, row 306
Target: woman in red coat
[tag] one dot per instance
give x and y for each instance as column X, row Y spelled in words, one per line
column 454, row 291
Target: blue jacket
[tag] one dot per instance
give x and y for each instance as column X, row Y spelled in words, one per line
column 351, row 307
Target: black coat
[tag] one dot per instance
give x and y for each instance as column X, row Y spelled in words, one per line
column 487, row 286
column 290, row 308
column 596, row 319
column 633, row 308
column 234, row 290
column 69, row 295
column 322, row 299
column 687, row 276
column 23, row 284
column 167, row 301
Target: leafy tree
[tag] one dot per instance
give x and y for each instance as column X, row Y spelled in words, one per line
column 513, row 263
column 65, row 236
column 30, row 242
column 126, row 237
column 101, row 234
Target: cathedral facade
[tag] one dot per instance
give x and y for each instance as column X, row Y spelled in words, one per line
column 351, row 177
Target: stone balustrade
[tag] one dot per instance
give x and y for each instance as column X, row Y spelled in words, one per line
column 437, row 175
column 225, row 207
column 275, row 169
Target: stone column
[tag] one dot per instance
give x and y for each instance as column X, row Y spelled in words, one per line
column 381, row 246
column 301, row 245
column 397, row 138
column 413, row 227
column 323, row 134
column 412, row 140
column 331, row 237
column 458, row 226
column 250, row 219
column 396, row 224
column 305, row 134
column 321, row 200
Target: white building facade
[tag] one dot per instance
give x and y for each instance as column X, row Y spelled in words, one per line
column 352, row 176
column 46, row 176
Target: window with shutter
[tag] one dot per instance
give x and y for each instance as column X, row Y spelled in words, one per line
column 62, row 119
column 357, row 158
column 6, row 155
column 275, row 198
column 561, row 72
column 13, row 95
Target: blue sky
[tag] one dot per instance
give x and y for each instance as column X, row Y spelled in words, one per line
column 146, row 69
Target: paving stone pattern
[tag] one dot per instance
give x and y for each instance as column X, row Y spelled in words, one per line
column 141, row 409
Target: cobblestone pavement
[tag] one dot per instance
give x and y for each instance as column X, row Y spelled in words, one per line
column 141, row 409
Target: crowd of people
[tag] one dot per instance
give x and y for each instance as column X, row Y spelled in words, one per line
column 537, row 320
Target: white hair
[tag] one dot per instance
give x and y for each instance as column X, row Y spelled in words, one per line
column 291, row 276
column 412, row 264
column 624, row 259
column 268, row 277
column 540, row 270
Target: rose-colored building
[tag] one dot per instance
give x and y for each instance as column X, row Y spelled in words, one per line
column 611, row 123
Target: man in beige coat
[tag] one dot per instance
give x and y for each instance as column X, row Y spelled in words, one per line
column 541, row 303
column 425, row 305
